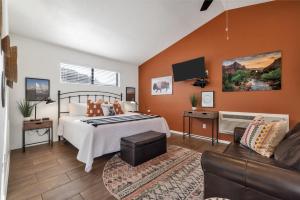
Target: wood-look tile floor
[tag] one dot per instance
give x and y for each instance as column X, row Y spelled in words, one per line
column 54, row 173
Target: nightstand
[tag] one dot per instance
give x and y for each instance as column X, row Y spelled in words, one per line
column 36, row 125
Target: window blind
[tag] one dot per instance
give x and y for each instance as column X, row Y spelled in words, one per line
column 104, row 77
column 88, row 75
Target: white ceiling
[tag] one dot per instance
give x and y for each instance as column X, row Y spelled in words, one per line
column 127, row 30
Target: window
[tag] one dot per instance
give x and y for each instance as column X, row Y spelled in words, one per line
column 87, row 75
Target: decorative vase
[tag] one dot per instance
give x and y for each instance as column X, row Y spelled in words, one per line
column 194, row 108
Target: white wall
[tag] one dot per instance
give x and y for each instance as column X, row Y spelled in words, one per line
column 4, row 141
column 41, row 60
column 4, row 129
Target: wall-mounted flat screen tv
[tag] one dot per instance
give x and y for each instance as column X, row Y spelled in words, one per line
column 37, row 89
column 189, row 69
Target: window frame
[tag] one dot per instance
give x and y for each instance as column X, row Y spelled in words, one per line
column 92, row 76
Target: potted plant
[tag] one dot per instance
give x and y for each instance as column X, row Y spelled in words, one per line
column 194, row 102
column 25, row 108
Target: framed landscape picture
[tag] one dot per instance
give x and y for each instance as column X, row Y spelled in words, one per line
column 37, row 89
column 162, row 85
column 252, row 73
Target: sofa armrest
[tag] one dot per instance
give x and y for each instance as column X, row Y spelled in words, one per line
column 273, row 180
column 224, row 166
column 238, row 134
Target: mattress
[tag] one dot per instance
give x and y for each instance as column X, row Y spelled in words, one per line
column 93, row 142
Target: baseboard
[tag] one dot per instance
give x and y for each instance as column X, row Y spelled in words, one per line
column 200, row 137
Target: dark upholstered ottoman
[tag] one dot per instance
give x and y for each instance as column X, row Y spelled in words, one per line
column 142, row 147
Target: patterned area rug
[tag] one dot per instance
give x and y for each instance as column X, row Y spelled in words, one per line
column 176, row 174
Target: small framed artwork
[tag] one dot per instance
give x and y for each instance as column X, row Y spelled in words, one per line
column 207, row 99
column 37, row 89
column 162, row 85
column 130, row 94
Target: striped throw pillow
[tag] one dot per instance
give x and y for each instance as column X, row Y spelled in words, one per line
column 262, row 136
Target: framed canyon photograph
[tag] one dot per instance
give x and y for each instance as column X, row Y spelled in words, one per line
column 259, row 72
column 130, row 94
column 37, row 89
column 162, row 85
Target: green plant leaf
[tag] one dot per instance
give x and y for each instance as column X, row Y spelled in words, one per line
column 25, row 108
column 194, row 100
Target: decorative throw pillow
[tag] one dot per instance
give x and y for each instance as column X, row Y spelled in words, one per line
column 111, row 110
column 263, row 137
column 108, row 109
column 118, row 108
column 94, row 108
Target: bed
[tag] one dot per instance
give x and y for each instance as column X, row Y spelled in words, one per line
column 94, row 141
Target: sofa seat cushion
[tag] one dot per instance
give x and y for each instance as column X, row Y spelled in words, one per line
column 244, row 153
column 288, row 151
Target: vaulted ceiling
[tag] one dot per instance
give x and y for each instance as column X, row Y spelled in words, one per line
column 127, row 30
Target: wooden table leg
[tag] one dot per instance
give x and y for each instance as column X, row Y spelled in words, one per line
column 52, row 136
column 23, row 140
column 217, row 130
column 49, row 136
column 212, row 131
column 189, row 126
column 183, row 128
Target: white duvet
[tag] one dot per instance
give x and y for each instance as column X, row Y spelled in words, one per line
column 96, row 141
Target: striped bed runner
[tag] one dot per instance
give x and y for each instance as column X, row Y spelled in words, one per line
column 119, row 119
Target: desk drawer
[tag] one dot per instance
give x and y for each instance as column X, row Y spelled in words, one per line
column 37, row 125
column 202, row 115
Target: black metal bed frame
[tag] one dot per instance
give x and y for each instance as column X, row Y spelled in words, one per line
column 87, row 94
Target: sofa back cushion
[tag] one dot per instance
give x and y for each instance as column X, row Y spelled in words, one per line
column 263, row 137
column 288, row 150
column 295, row 129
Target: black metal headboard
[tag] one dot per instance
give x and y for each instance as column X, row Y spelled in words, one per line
column 80, row 95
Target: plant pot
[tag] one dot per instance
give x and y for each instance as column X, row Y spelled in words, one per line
column 194, row 108
column 26, row 118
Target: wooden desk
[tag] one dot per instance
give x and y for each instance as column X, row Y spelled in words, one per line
column 35, row 125
column 213, row 116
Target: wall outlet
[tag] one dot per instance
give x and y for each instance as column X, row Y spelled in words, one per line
column 203, row 125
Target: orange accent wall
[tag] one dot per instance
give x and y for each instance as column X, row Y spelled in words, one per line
column 254, row 29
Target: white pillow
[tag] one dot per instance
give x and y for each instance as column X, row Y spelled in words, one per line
column 77, row 109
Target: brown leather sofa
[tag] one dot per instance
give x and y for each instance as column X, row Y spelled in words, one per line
column 241, row 174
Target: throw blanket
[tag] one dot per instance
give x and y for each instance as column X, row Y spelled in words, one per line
column 119, row 119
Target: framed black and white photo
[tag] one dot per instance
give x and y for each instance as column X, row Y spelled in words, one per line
column 207, row 99
column 162, row 85
column 37, row 89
